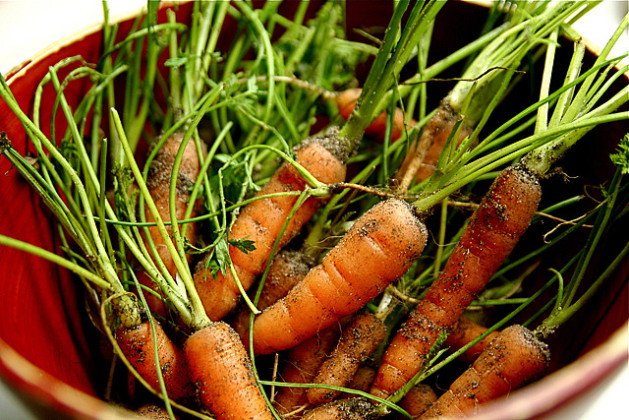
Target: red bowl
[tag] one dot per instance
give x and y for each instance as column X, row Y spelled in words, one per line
column 47, row 348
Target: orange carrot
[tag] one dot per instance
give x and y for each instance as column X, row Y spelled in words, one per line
column 378, row 249
column 423, row 154
column 349, row 409
column 418, row 399
column 287, row 269
column 361, row 337
column 136, row 344
column 346, row 101
column 362, row 380
column 301, row 365
column 465, row 331
column 158, row 182
column 261, row 222
column 153, row 411
column 221, row 369
column 502, row 217
column 514, row 358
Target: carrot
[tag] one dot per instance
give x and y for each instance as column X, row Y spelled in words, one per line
column 346, row 101
column 261, row 222
column 469, row 102
column 361, row 337
column 153, row 411
column 465, row 331
column 514, row 358
column 423, row 154
column 287, row 269
column 221, row 369
column 158, row 182
column 418, row 399
column 502, row 217
column 378, row 249
column 136, row 344
column 301, row 365
column 362, row 379
column 349, row 409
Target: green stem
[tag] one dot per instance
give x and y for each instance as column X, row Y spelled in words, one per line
column 385, row 69
column 270, row 57
column 54, row 258
column 199, row 317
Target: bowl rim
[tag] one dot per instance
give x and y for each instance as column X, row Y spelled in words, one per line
column 30, row 383
column 539, row 399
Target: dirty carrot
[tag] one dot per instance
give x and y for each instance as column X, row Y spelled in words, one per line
column 502, row 217
column 346, row 101
column 153, row 411
column 360, row 338
column 514, row 358
column 214, row 353
column 220, row 367
column 379, row 248
column 137, row 345
column 349, row 409
column 261, row 222
column 362, row 379
column 158, row 182
column 287, row 269
column 418, row 399
column 465, row 331
column 421, row 159
column 482, row 86
column 300, row 366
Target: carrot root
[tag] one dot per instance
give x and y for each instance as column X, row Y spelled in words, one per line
column 158, row 182
column 361, row 337
column 301, row 366
column 349, row 409
column 261, row 222
column 287, row 269
column 346, row 101
column 501, row 219
column 514, row 358
column 418, row 399
column 137, row 346
column 387, row 239
column 423, row 154
column 222, row 371
column 465, row 331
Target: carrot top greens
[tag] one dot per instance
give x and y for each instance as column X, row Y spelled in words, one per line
column 245, row 86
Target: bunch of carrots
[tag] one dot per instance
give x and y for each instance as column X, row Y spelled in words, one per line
column 248, row 262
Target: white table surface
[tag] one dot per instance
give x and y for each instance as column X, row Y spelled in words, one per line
column 27, row 26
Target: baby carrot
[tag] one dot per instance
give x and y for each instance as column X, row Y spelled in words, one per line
column 421, row 160
column 137, row 345
column 346, row 101
column 158, row 183
column 418, row 399
column 362, row 379
column 154, row 412
column 514, row 358
column 360, row 338
column 471, row 102
column 301, row 365
column 379, row 248
column 261, row 222
column 349, row 409
column 465, row 331
column 287, row 269
column 221, row 369
column 502, row 217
